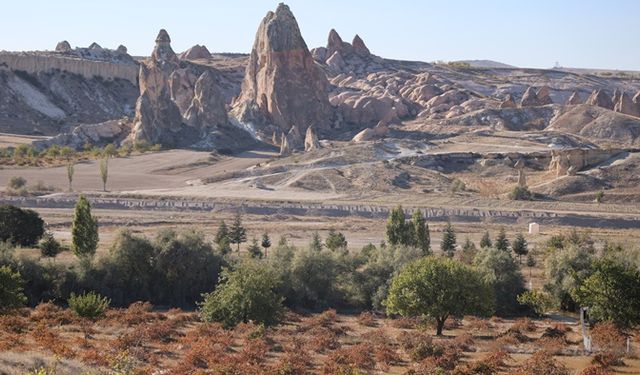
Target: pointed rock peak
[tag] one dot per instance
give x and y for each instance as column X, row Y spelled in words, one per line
column 283, row 9
column 601, row 99
column 574, row 99
column 311, row 140
column 334, row 39
column 63, row 46
column 359, row 47
column 162, row 51
column 122, row 49
column 163, row 37
column 530, row 98
column 636, row 98
column 95, row 46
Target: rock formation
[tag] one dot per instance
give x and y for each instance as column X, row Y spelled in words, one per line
column 63, row 47
column 626, row 105
column 359, row 47
column 207, row 109
column 196, row 52
column 574, row 99
column 311, row 140
column 122, row 50
column 569, row 162
column 283, row 86
column 158, row 118
column 530, row 98
column 544, row 96
column 285, row 148
column 508, row 102
column 601, row 99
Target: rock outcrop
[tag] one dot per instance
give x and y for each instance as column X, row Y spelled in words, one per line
column 196, row 52
column 63, row 47
column 530, row 98
column 625, row 105
column 574, row 99
column 359, row 47
column 283, row 86
column 158, row 118
column 207, row 109
column 311, row 141
column 544, row 96
column 569, row 162
column 508, row 102
column 601, row 99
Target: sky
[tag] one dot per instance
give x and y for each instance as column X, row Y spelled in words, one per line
column 534, row 33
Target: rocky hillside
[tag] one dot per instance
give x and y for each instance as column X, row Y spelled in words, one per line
column 274, row 95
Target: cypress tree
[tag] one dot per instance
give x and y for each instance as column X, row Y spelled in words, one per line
column 397, row 229
column 84, row 230
column 486, row 240
column 266, row 242
column 316, row 242
column 448, row 244
column 502, row 243
column 421, row 237
column 237, row 234
column 520, row 246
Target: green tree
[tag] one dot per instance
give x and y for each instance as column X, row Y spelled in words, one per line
column 565, row 269
column 20, row 226
column 599, row 196
column 612, row 293
column 421, row 237
column 266, row 242
column 222, row 233
column 448, row 244
column 104, row 171
column 70, row 172
column 502, row 243
column 398, row 232
column 254, row 249
column 237, row 233
column 89, row 306
column 437, row 288
column 469, row 251
column 84, row 230
column 520, row 246
column 11, row 289
column 316, row 242
column 49, row 246
column 539, row 301
column 486, row 240
column 335, row 241
column 246, row 293
column 503, row 273
column 224, row 246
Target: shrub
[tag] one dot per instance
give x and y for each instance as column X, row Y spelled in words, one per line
column 520, row 193
column 542, row 363
column 594, row 370
column 11, row 289
column 246, row 293
column 19, row 226
column 367, row 319
column 538, row 301
column 49, row 246
column 16, row 182
column 503, row 273
column 89, row 305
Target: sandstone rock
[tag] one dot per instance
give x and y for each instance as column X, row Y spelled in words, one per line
column 311, row 140
column 616, row 96
column 196, row 52
column 95, row 46
column 601, row 99
column 626, row 105
column 282, row 86
column 449, row 99
column 158, row 118
column 636, row 98
column 574, row 99
column 319, row 54
column 359, row 47
column 335, row 63
column 530, row 98
column 365, row 135
column 335, row 44
column 544, row 97
column 508, row 102
column 285, row 149
column 63, row 47
column 207, row 110
column 163, row 53
column 294, row 137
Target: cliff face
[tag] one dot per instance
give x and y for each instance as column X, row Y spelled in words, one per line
column 282, row 87
column 36, row 63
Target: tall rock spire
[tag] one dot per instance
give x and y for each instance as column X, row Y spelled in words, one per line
column 282, row 87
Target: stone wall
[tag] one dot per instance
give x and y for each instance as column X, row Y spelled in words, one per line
column 35, row 63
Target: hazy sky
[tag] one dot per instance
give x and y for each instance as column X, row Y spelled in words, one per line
column 531, row 33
